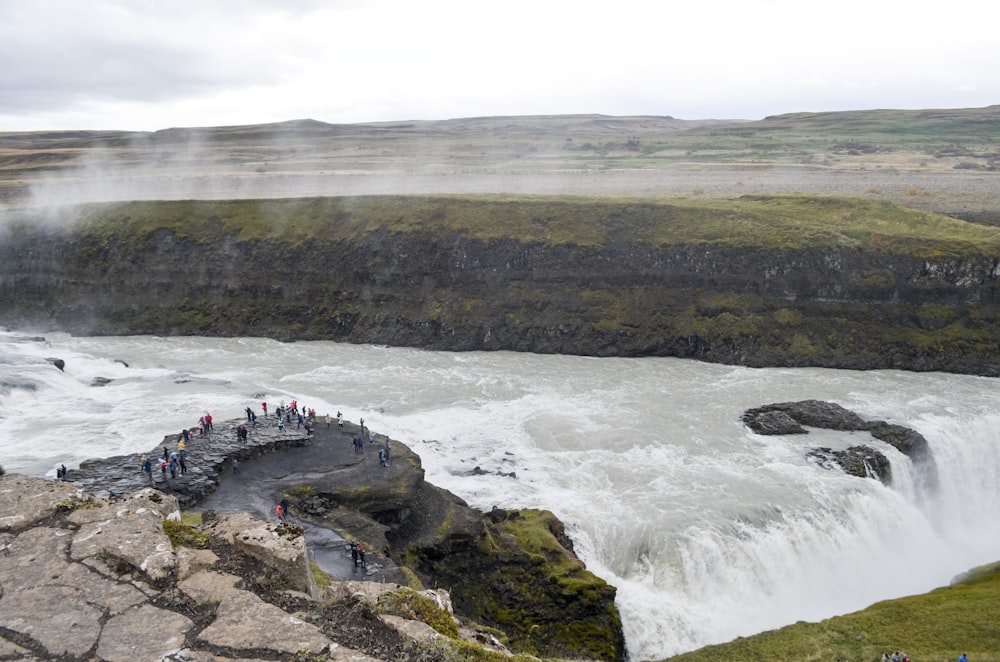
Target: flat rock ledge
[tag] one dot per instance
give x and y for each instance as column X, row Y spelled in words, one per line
column 87, row 578
column 208, row 456
column 785, row 418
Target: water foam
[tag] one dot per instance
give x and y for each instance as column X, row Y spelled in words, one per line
column 708, row 531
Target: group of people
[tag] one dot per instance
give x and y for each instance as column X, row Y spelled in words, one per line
column 903, row 657
column 358, row 555
column 281, row 510
column 304, row 417
column 383, row 452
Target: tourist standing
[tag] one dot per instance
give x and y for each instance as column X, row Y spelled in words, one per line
column 235, row 465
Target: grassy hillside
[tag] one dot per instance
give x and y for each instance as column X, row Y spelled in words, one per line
column 973, row 132
column 935, row 627
column 750, row 222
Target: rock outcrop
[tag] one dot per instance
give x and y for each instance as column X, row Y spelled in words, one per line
column 208, row 456
column 515, row 572
column 88, row 578
column 83, row 577
column 858, row 460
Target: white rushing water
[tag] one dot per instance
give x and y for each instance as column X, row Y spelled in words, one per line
column 707, row 530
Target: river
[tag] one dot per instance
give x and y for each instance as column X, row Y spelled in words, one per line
column 708, row 531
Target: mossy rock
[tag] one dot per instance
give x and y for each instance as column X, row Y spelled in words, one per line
column 522, row 580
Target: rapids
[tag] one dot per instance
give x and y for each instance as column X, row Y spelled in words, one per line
column 708, row 531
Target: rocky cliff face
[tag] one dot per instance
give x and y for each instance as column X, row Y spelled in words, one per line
column 446, row 289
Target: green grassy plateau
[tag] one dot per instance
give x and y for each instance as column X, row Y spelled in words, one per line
column 754, row 221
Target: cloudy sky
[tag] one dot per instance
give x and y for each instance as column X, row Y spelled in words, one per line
column 153, row 64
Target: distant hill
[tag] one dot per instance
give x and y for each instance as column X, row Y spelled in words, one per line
column 944, row 161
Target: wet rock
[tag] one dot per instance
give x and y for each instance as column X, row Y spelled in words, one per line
column 863, row 461
column 860, row 461
column 812, row 413
column 59, row 363
column 908, row 442
column 772, row 422
column 206, row 456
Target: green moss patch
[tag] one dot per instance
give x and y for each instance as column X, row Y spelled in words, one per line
column 182, row 535
column 413, row 605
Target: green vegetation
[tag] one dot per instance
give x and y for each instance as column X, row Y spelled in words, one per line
column 193, row 520
column 182, row 535
column 415, row 606
column 457, row 650
column 788, row 223
column 539, row 594
column 321, row 579
column 852, row 132
column 934, row 627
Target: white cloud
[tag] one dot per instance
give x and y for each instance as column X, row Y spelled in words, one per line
column 146, row 65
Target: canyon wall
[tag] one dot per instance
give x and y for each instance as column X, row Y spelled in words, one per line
column 445, row 288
